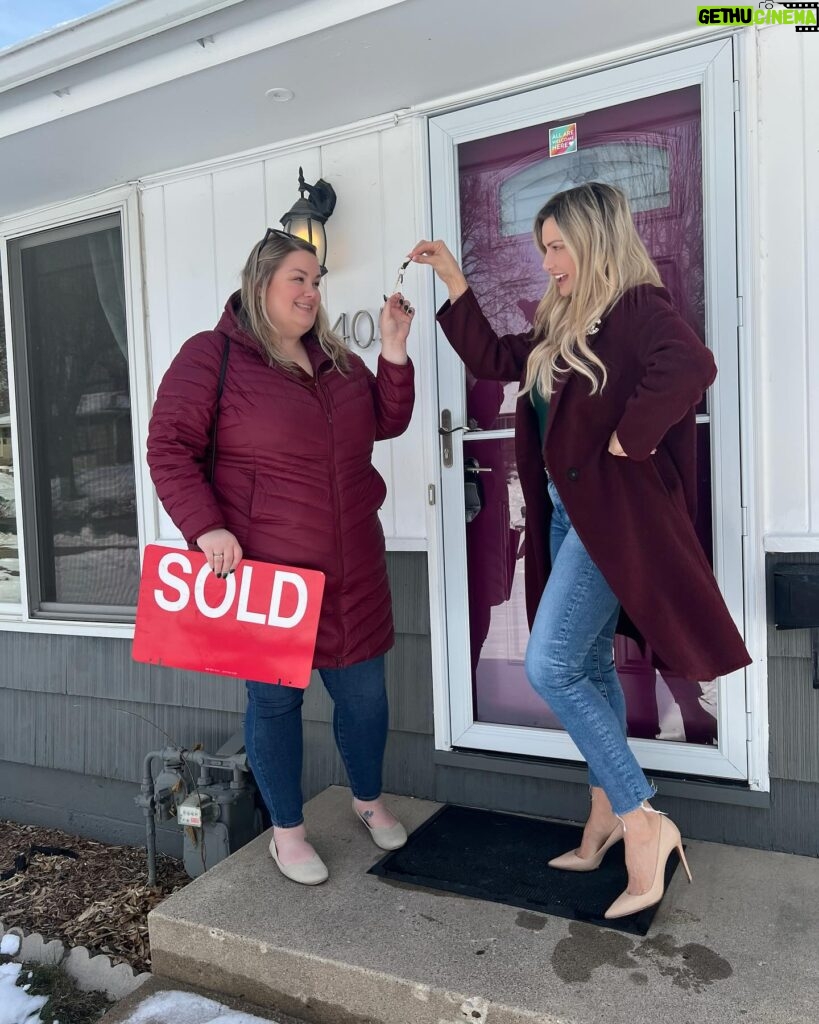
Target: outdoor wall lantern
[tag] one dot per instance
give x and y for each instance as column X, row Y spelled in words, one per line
column 308, row 215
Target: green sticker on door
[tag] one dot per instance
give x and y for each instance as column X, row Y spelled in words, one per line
column 563, row 140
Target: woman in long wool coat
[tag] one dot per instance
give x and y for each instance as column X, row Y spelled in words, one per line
column 610, row 378
column 293, row 483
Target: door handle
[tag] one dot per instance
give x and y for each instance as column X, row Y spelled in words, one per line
column 446, row 430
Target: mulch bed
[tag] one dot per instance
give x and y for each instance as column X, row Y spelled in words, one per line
column 82, row 892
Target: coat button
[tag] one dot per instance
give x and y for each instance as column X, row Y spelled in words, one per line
column 572, row 473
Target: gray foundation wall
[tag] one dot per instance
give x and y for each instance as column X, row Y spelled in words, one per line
column 77, row 715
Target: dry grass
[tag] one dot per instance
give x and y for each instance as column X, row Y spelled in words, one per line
column 66, row 1003
column 82, row 892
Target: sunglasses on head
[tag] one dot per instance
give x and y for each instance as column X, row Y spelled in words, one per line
column 279, row 233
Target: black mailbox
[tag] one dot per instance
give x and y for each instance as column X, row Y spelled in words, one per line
column 796, row 596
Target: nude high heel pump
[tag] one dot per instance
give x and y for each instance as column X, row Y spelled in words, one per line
column 669, row 840
column 572, row 861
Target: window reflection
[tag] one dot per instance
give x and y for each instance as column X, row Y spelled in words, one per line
column 9, row 560
column 652, row 148
column 640, row 169
column 78, row 408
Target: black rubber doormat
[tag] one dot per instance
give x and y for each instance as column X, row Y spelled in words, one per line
column 502, row 858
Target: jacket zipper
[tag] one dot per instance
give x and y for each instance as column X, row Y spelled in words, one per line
column 323, row 398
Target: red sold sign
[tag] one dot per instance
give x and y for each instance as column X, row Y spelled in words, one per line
column 260, row 623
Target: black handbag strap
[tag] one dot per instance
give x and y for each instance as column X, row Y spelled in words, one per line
column 220, row 388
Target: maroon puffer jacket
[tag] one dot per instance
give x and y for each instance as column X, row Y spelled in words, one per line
column 294, row 479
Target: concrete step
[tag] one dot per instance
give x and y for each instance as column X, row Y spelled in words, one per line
column 737, row 946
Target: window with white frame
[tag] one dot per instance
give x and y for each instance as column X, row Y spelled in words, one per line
column 76, row 457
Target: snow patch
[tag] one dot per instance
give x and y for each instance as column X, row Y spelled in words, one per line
column 17, row 1006
column 185, row 1008
column 10, row 944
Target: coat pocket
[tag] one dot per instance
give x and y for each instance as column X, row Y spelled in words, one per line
column 668, row 476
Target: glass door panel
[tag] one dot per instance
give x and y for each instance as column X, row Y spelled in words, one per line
column 650, row 148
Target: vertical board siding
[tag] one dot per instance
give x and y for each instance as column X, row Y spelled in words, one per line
column 198, row 232
column 18, row 721
column 810, row 133
column 81, row 805
column 356, row 260
column 409, row 584
column 119, row 735
column 61, row 731
column 782, row 826
column 193, row 301
column 178, row 688
column 238, row 222
column 788, row 643
column 787, row 304
column 22, row 663
column 322, row 766
column 409, row 684
column 81, row 704
column 409, row 768
column 794, row 720
column 318, row 707
column 104, row 668
column 517, row 794
column 400, row 232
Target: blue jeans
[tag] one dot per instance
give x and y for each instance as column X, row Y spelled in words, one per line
column 273, row 735
column 570, row 663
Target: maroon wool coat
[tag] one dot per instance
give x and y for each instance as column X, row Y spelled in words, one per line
column 634, row 515
column 294, row 479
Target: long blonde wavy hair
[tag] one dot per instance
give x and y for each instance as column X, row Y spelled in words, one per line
column 264, row 260
column 599, row 234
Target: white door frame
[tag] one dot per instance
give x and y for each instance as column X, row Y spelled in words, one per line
column 710, row 66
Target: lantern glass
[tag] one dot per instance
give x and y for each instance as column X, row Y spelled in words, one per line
column 310, row 229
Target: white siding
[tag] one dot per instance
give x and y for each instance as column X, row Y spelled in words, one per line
column 199, row 228
column 788, row 303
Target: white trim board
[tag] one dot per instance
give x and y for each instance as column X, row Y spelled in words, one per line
column 791, row 543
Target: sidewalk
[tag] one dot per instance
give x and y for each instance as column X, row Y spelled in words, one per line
column 739, row 945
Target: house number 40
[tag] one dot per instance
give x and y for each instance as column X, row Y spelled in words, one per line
column 360, row 328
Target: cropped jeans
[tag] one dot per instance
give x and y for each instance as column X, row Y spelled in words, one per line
column 274, row 744
column 570, row 664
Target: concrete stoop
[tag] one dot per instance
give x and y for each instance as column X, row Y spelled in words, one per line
column 738, row 945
